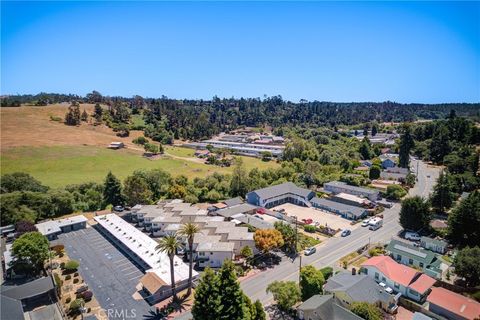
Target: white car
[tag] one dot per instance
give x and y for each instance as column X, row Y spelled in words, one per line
column 389, row 290
column 413, row 236
column 381, row 284
column 365, row 222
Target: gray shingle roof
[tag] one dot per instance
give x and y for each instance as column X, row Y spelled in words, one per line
column 358, row 287
column 231, row 211
column 349, row 187
column 29, row 289
column 281, row 189
column 327, row 308
column 344, row 208
column 233, row 202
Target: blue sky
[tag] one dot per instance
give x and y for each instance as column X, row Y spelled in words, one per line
column 331, row 51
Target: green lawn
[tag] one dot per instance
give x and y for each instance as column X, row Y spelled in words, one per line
column 179, row 151
column 62, row 165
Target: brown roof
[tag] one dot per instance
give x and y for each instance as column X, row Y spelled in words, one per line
column 438, row 224
column 462, row 306
column 152, row 282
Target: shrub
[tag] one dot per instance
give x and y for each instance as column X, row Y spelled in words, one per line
column 68, row 277
column 75, row 274
column 76, row 304
column 76, row 280
column 62, row 265
column 87, row 295
column 327, row 272
column 55, row 118
column 72, row 265
column 309, row 228
column 68, row 300
column 58, row 248
column 140, row 140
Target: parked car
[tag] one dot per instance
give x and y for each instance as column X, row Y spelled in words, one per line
column 346, row 232
column 118, row 208
column 310, row 251
column 413, row 236
column 365, row 222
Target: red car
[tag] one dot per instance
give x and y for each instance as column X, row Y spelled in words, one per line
column 261, row 211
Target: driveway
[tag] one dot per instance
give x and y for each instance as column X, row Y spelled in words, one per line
column 110, row 275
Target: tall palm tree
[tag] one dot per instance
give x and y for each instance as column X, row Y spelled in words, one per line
column 169, row 245
column 189, row 230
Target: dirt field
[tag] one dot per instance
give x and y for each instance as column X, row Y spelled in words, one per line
column 322, row 217
column 58, row 155
column 31, row 126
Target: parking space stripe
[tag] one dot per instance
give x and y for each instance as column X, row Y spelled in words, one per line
column 127, row 274
column 129, row 267
column 135, row 277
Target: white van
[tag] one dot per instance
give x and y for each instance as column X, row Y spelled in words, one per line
column 375, row 223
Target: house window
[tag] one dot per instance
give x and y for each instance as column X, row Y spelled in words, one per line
column 201, row 253
column 377, row 275
column 384, row 279
column 396, row 286
column 410, row 261
column 413, row 292
column 399, row 257
column 421, row 264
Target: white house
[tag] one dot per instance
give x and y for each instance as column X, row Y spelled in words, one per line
column 402, row 279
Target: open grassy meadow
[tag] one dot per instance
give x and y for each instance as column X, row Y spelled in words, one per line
column 59, row 155
column 58, row 166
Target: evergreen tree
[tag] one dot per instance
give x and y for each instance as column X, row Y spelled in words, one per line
column 464, row 222
column 311, row 282
column 366, row 311
column 365, row 149
column 207, row 303
column 231, row 298
column 406, row 145
column 84, row 116
column 467, row 265
column 259, row 311
column 112, row 193
column 72, row 117
column 374, row 129
column 98, row 113
column 374, row 172
column 239, row 182
column 136, row 190
column 415, row 213
column 440, row 144
column 443, row 196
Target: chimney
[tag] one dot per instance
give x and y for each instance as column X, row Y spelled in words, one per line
column 354, row 271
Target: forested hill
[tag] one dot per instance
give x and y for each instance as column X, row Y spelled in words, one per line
column 254, row 111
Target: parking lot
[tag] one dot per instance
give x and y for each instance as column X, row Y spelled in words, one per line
column 323, row 218
column 110, row 274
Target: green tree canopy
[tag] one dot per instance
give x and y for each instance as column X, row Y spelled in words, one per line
column 311, row 282
column 239, row 181
column 464, row 222
column 231, row 298
column 30, row 252
column 136, row 190
column 415, row 213
column 467, row 265
column 443, row 196
column 366, row 310
column 112, row 193
column 207, row 303
column 285, row 293
column 406, row 145
column 374, row 172
column 20, row 181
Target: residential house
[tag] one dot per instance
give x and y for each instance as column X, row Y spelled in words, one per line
column 51, row 229
column 212, row 254
column 435, row 245
column 336, row 187
column 345, row 210
column 388, row 160
column 160, row 223
column 233, row 202
column 279, row 194
column 427, row 261
column 30, row 300
column 402, row 279
column 230, row 211
column 349, row 288
column 452, row 305
column 324, row 307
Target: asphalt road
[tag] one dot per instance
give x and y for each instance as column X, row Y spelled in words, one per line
column 335, row 248
column 329, row 252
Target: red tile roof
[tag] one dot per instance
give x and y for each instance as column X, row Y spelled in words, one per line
column 455, row 303
column 401, row 274
column 392, row 270
column 423, row 283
